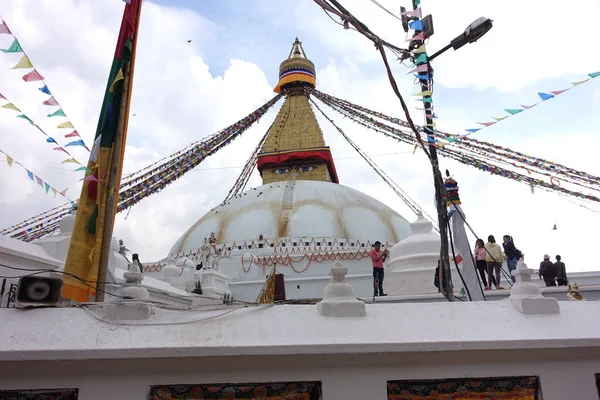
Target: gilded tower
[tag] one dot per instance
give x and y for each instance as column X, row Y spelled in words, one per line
column 295, row 148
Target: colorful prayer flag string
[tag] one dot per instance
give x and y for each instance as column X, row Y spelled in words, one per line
column 35, row 76
column 41, row 182
column 514, row 111
column 49, row 139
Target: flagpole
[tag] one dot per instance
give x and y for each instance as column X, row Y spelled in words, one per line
column 114, row 177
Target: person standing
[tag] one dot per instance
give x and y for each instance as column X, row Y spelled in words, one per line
column 481, row 264
column 548, row 271
column 494, row 258
column 561, row 272
column 511, row 254
column 378, row 258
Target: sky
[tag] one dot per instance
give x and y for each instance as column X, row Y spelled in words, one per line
column 186, row 91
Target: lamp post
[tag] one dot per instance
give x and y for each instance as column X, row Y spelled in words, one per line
column 425, row 29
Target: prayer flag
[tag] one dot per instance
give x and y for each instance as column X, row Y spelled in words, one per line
column 93, row 224
column 11, row 106
column 72, row 134
column 57, row 113
column 15, row 47
column 33, row 76
column 65, row 125
column 45, row 90
column 9, row 160
column 50, row 102
column 23, row 63
column 4, row 28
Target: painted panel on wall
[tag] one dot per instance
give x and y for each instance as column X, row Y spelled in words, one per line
column 40, row 394
column 239, row 391
column 502, row 388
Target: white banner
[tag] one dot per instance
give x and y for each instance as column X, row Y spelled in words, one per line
column 461, row 246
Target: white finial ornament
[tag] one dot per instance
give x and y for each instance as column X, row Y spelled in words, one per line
column 338, row 299
column 526, row 295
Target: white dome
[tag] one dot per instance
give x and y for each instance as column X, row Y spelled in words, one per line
column 420, row 249
column 297, row 209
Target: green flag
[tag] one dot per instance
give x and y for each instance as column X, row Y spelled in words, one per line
column 15, row 47
column 58, row 113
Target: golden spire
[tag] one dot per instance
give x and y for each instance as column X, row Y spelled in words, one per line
column 295, row 148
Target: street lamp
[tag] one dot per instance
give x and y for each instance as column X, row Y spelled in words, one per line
column 476, row 30
column 423, row 30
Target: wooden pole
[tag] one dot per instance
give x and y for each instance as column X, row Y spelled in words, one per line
column 114, row 176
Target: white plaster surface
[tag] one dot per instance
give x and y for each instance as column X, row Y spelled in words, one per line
column 340, row 210
column 71, row 333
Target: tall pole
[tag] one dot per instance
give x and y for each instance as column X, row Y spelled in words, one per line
column 115, row 173
column 442, row 212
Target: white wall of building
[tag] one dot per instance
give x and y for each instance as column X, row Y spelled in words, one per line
column 342, row 377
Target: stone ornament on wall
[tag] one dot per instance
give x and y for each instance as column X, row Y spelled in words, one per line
column 501, row 388
column 40, row 394
column 239, row 391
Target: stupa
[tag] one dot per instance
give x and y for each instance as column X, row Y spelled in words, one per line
column 301, row 219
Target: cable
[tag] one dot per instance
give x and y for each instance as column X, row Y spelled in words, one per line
column 413, row 205
column 386, row 10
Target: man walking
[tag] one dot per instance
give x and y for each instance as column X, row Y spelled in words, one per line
column 378, row 258
column 548, row 271
column 561, row 272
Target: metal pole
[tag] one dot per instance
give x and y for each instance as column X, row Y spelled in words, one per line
column 445, row 274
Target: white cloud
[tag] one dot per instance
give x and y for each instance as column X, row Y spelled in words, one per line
column 178, row 100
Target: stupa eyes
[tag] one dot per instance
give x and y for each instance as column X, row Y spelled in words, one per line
column 306, row 168
column 282, row 171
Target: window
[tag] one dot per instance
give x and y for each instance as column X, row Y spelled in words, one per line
column 41, row 394
column 219, row 391
column 507, row 388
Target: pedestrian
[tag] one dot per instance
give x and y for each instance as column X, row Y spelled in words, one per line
column 135, row 264
column 547, row 271
column 378, row 258
column 493, row 258
column 561, row 272
column 511, row 254
column 481, row 264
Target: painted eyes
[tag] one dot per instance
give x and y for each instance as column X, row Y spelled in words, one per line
column 282, row 171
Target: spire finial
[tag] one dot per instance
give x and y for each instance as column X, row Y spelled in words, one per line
column 297, row 49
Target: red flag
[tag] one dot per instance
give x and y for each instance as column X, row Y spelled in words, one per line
column 458, row 259
column 50, row 102
column 73, row 134
column 33, row 76
column 4, row 29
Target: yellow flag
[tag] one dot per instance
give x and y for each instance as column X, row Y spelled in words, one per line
column 9, row 161
column 420, row 49
column 425, row 93
column 64, row 125
column 69, row 160
column 501, row 118
column 579, row 82
column 11, row 106
column 54, row 191
column 117, row 79
column 23, row 63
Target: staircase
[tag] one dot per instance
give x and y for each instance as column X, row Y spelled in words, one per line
column 287, row 203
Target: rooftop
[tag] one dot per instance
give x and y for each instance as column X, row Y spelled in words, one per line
column 76, row 333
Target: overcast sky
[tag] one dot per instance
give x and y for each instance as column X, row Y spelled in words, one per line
column 185, row 91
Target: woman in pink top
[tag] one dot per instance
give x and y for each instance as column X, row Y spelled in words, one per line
column 481, row 263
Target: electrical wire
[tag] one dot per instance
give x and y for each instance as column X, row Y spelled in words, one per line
column 386, row 10
column 414, row 207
